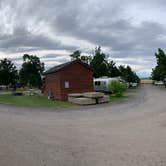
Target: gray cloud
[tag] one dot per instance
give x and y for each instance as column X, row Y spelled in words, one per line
column 134, row 29
column 22, row 40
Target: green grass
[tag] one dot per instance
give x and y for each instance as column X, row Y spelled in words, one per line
column 114, row 98
column 5, row 90
column 125, row 96
column 32, row 101
column 18, row 89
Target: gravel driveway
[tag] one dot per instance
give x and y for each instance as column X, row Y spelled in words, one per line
column 129, row 134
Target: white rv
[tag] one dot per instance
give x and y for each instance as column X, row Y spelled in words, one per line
column 101, row 84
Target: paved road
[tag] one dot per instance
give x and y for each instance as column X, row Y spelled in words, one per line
column 129, row 134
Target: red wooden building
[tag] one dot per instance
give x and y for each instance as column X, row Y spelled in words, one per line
column 70, row 77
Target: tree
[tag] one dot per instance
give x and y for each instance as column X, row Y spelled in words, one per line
column 76, row 55
column 128, row 75
column 103, row 67
column 31, row 71
column 117, row 88
column 156, row 73
column 159, row 72
column 8, row 72
column 113, row 71
column 99, row 63
column 85, row 59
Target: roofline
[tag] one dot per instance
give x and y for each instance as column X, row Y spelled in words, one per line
column 72, row 62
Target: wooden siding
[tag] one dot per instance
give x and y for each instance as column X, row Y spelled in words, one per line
column 79, row 77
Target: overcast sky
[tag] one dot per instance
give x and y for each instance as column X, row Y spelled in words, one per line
column 130, row 31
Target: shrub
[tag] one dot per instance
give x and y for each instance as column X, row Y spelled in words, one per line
column 117, row 88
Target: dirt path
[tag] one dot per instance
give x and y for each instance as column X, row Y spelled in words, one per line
column 129, row 134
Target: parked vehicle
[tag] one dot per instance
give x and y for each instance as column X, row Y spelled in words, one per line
column 158, row 83
column 132, row 84
column 101, row 84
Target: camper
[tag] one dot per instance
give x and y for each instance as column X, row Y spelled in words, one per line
column 101, row 84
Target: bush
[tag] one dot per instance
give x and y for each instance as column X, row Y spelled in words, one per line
column 117, row 88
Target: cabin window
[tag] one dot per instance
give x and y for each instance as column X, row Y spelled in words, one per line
column 67, row 85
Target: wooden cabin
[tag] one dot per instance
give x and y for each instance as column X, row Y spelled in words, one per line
column 71, row 77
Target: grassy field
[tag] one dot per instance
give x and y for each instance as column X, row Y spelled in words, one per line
column 32, row 101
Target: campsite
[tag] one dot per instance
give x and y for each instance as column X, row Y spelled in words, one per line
column 91, row 135
column 47, row 126
column 82, row 83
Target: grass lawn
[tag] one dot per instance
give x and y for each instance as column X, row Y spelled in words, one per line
column 32, row 101
column 114, row 98
column 125, row 96
column 18, row 89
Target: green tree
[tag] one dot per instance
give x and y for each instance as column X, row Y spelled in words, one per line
column 159, row 72
column 8, row 72
column 85, row 59
column 113, row 71
column 117, row 88
column 99, row 63
column 128, row 75
column 31, row 71
column 156, row 73
column 76, row 55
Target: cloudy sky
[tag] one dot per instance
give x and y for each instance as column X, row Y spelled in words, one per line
column 130, row 31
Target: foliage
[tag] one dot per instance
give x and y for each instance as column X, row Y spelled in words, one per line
column 85, row 59
column 159, row 72
column 114, row 98
column 128, row 75
column 103, row 67
column 113, row 71
column 32, row 101
column 77, row 55
column 117, row 88
column 8, row 72
column 30, row 73
column 99, row 63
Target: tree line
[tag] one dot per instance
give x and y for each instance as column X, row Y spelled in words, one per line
column 103, row 67
column 159, row 72
column 30, row 73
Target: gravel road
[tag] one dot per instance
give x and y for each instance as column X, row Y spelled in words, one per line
column 132, row 133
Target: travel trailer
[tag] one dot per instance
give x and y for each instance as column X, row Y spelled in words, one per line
column 101, row 84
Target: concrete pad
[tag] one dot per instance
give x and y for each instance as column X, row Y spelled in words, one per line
column 104, row 99
column 71, row 99
column 82, row 101
column 93, row 94
column 76, row 95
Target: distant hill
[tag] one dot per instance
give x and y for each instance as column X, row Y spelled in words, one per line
column 145, row 78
